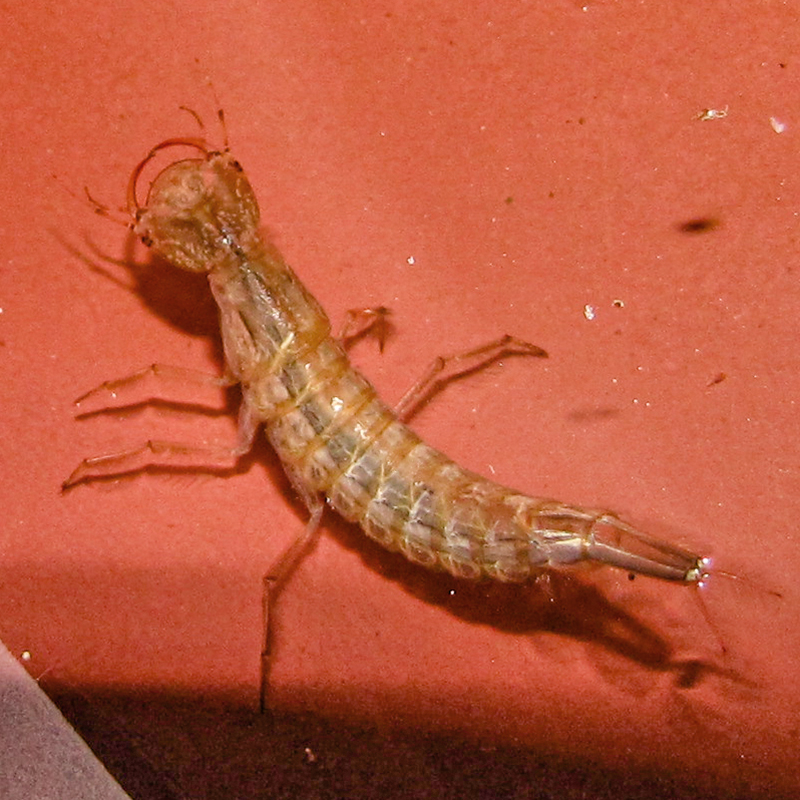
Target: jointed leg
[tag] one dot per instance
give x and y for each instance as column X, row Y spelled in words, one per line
column 160, row 453
column 279, row 573
column 359, row 322
column 445, row 369
column 112, row 390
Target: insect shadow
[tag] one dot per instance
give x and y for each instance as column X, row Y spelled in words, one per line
column 566, row 606
column 182, row 300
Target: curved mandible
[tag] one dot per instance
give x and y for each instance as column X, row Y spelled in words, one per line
column 132, row 202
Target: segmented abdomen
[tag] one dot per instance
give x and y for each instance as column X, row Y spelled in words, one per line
column 335, row 436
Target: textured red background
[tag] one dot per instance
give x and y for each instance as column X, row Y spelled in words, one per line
column 481, row 169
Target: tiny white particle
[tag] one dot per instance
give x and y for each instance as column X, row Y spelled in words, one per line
column 713, row 113
column 777, row 125
column 337, row 404
column 26, row 655
column 589, row 312
column 410, row 260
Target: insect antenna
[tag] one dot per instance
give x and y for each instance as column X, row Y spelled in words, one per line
column 116, row 215
column 220, row 116
column 206, row 78
column 197, row 118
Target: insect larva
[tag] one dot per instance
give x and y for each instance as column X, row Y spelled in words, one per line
column 337, row 441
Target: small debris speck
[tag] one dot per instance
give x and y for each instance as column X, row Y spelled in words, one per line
column 698, row 225
column 777, row 125
column 718, row 378
column 712, row 113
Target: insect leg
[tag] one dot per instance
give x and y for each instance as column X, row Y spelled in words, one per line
column 120, row 387
column 358, row 322
column 280, row 572
column 156, row 452
column 445, row 369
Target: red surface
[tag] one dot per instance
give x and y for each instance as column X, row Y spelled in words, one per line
column 481, row 170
